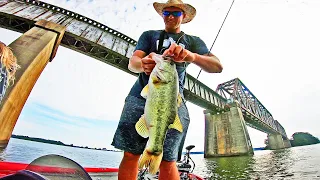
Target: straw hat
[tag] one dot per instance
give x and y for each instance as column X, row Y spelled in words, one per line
column 188, row 10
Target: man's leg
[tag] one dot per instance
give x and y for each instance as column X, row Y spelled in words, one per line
column 128, row 169
column 127, row 139
column 168, row 170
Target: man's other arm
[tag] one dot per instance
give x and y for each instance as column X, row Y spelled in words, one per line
column 141, row 62
column 209, row 63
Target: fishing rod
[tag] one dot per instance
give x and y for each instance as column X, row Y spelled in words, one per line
column 214, row 41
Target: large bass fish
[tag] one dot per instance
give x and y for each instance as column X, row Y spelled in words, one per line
column 161, row 110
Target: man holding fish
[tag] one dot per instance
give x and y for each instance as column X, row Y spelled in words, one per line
column 155, row 119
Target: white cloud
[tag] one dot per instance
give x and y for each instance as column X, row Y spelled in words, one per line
column 82, row 86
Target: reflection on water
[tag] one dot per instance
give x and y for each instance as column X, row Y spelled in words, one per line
column 276, row 164
column 229, row 167
column 2, row 154
column 293, row 163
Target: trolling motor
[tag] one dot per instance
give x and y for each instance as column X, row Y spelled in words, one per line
column 184, row 167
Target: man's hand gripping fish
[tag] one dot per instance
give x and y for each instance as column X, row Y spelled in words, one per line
column 160, row 112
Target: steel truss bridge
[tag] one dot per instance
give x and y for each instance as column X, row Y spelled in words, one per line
column 255, row 114
column 110, row 46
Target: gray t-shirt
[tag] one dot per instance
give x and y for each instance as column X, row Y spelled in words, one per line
column 148, row 42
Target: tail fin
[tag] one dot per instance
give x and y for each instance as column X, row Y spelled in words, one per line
column 150, row 161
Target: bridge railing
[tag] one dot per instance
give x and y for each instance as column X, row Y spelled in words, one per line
column 202, row 95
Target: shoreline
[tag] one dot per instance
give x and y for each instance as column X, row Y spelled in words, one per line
column 54, row 142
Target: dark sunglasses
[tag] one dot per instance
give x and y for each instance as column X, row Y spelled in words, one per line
column 173, row 13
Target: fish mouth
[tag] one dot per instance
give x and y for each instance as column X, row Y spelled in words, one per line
column 159, row 77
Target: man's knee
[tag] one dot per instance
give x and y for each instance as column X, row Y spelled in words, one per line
column 131, row 157
column 167, row 164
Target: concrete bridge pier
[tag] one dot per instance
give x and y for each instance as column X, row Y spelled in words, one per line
column 286, row 143
column 277, row 142
column 33, row 51
column 226, row 133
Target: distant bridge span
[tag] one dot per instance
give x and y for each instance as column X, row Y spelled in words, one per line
column 103, row 43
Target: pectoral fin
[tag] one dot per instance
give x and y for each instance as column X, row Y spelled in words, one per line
column 179, row 99
column 176, row 124
column 144, row 92
column 142, row 128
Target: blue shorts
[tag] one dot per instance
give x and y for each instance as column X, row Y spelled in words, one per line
column 127, row 139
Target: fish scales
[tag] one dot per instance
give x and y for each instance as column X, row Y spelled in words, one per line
column 161, row 97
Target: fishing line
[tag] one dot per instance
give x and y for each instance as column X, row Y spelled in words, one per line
column 214, row 42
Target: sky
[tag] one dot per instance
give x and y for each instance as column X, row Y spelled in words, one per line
column 270, row 45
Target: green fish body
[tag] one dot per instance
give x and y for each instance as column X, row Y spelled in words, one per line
column 161, row 111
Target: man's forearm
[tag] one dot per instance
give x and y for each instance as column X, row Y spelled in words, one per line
column 209, row 63
column 135, row 64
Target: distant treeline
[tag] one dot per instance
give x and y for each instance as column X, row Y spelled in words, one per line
column 55, row 142
column 39, row 140
column 300, row 139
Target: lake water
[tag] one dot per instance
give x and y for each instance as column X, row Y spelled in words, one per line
column 293, row 163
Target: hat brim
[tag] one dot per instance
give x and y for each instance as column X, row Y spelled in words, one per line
column 188, row 10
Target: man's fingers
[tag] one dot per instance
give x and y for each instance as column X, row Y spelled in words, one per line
column 166, row 52
column 170, row 50
column 177, row 51
column 147, row 60
column 147, row 63
column 147, row 71
column 148, row 67
column 183, row 54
